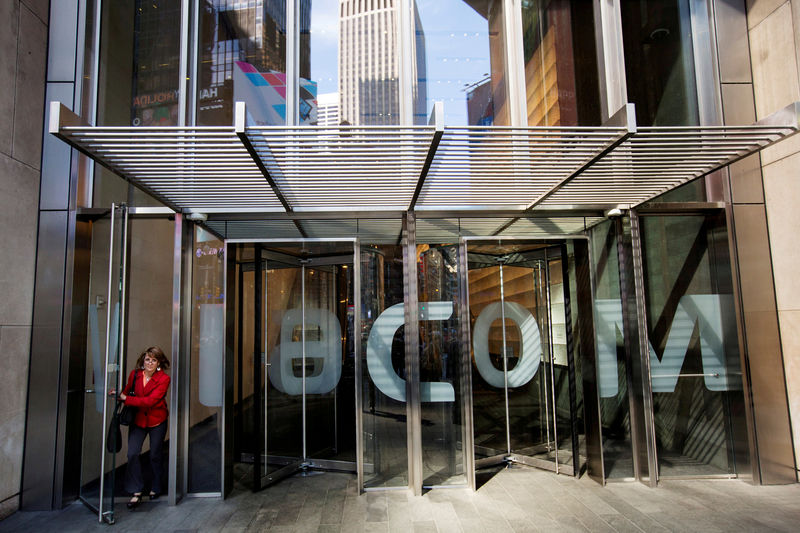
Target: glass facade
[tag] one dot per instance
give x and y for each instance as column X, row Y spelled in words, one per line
column 315, row 330
column 695, row 369
column 561, row 87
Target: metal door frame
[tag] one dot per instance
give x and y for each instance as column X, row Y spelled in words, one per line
column 261, row 482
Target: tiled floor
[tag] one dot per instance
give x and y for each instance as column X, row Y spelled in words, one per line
column 517, row 499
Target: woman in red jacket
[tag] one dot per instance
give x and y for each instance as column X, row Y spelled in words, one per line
column 149, row 398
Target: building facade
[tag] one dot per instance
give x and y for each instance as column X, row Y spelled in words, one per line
column 553, row 233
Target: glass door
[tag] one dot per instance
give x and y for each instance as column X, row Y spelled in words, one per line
column 301, row 335
column 523, row 404
column 104, row 335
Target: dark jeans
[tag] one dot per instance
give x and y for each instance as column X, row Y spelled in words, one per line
column 134, row 482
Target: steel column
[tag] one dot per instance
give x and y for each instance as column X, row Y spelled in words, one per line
column 413, row 407
column 635, row 312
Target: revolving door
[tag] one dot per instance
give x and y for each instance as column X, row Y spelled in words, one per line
column 294, row 371
column 524, row 397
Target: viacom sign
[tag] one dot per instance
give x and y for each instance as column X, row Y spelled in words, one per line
column 710, row 314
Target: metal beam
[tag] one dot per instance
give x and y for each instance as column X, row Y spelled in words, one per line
column 240, row 126
column 626, row 118
column 437, row 119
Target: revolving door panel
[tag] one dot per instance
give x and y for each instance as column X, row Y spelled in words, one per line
column 295, row 318
column 522, row 405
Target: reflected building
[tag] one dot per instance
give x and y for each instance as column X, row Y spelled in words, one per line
column 369, row 62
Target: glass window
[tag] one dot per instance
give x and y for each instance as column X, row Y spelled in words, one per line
column 440, row 366
column 383, row 390
column 242, row 59
column 138, row 79
column 459, row 50
column 694, row 352
column 659, row 62
column 561, row 85
column 349, row 62
column 611, row 366
column 205, row 404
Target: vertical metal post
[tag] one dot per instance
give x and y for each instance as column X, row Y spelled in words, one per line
column 552, row 398
column 644, row 348
column 465, row 366
column 181, row 259
column 505, row 357
column 413, row 407
column 123, row 304
column 259, row 459
column 267, row 364
column 357, row 356
column 571, row 371
column 303, row 351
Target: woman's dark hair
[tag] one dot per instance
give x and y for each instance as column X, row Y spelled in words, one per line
column 156, row 353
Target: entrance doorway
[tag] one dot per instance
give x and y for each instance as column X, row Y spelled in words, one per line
column 291, row 327
column 524, row 396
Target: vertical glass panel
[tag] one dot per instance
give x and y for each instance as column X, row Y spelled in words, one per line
column 611, row 365
column 330, row 352
column 694, row 358
column 98, row 468
column 560, row 63
column 283, row 337
column 383, row 349
column 459, row 60
column 488, row 395
column 440, row 365
column 530, row 396
column 139, row 76
column 242, row 57
column 207, row 368
column 659, row 62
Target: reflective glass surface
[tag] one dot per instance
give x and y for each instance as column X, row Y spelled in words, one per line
column 242, row 58
column 611, row 365
column 459, row 50
column 560, row 63
column 441, row 366
column 694, row 356
column 383, row 392
column 659, row 61
column 206, row 367
column 138, row 79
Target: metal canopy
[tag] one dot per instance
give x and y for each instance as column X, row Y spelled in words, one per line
column 347, row 169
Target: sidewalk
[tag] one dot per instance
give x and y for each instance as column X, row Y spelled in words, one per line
column 515, row 500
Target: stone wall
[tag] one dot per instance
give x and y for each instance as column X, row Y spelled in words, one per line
column 23, row 59
column 774, row 32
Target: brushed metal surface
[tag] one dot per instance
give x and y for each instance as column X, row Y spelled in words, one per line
column 41, row 421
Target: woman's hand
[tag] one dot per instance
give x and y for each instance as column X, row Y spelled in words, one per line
column 121, row 397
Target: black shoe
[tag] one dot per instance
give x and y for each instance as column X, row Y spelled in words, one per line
column 154, row 495
column 135, row 501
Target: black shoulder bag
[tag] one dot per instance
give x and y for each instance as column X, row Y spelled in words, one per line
column 128, row 412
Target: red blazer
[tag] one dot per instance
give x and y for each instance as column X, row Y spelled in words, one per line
column 149, row 400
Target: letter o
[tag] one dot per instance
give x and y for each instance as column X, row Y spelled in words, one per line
column 531, row 355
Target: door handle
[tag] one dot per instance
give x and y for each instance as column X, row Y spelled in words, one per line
column 90, row 391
